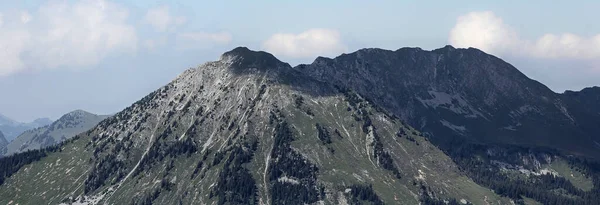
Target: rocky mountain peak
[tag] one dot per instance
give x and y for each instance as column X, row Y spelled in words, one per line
column 448, row 47
column 242, row 59
column 78, row 113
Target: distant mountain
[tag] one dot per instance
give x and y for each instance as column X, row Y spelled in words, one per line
column 6, row 121
column 12, row 128
column 40, row 122
column 64, row 128
column 3, row 143
column 448, row 126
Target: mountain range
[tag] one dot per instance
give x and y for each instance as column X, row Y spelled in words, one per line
column 447, row 126
column 12, row 128
column 62, row 129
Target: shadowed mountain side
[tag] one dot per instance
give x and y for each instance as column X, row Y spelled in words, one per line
column 462, row 95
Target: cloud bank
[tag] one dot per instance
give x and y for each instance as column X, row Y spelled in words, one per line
column 62, row 34
column 488, row 32
column 308, row 44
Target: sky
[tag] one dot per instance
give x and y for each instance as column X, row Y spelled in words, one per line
column 103, row 55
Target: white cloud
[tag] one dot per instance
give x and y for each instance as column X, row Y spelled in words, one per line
column 482, row 30
column 486, row 31
column 12, row 44
column 25, row 17
column 310, row 43
column 64, row 35
column 161, row 19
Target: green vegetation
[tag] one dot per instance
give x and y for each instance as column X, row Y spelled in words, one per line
column 292, row 179
column 360, row 194
column 51, row 179
column 235, row 184
column 545, row 188
column 569, row 172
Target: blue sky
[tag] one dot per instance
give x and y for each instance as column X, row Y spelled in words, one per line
column 102, row 55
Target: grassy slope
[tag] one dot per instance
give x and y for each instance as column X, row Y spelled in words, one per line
column 49, row 180
column 578, row 179
column 350, row 164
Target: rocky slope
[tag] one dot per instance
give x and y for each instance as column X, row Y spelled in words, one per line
column 247, row 129
column 64, row 128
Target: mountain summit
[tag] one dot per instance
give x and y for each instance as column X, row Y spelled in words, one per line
column 242, row 58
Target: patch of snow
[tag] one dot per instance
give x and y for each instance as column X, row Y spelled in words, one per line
column 285, row 179
column 358, row 177
column 421, row 175
column 455, row 103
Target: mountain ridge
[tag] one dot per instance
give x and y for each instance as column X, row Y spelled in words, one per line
column 465, row 82
column 13, row 128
